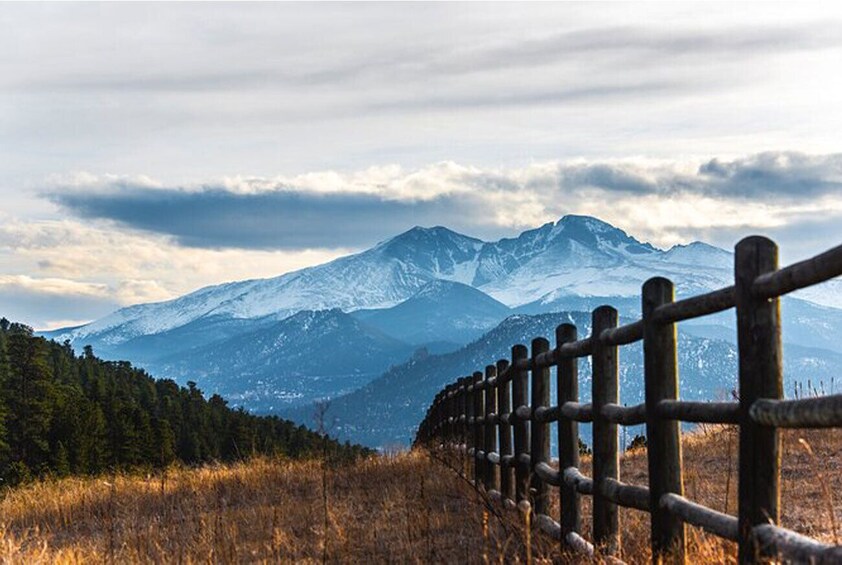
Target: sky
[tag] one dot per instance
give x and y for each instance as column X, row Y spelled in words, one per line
column 149, row 149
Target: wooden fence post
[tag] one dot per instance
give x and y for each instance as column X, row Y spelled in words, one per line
column 540, row 443
column 521, row 429
column 759, row 343
column 504, row 406
column 567, row 390
column 606, row 461
column 491, row 475
column 479, row 464
column 663, row 437
column 450, row 413
column 464, row 411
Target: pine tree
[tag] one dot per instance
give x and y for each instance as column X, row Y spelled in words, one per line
column 28, row 391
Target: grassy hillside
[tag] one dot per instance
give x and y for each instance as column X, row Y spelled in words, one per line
column 405, row 508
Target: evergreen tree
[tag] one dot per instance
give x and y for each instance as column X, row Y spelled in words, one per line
column 61, row 414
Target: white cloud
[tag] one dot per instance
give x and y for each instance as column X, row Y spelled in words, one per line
column 72, row 258
column 52, row 286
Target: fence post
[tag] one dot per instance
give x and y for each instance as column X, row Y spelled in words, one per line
column 606, row 461
column 521, row 431
column 567, row 390
column 452, row 412
column 479, row 464
column 491, row 481
column 540, row 443
column 759, row 343
column 504, row 406
column 663, row 437
column 465, row 408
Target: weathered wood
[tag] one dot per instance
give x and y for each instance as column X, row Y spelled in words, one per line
column 581, row 348
column 577, row 412
column 625, row 415
column 572, row 477
column 548, row 526
column 539, row 450
column 579, row 544
column 546, row 472
column 606, row 459
column 567, row 392
column 543, row 359
column 759, row 344
column 522, row 414
column 722, row 525
column 490, row 442
column 812, row 271
column 663, row 437
column 630, row 496
column 821, row 412
column 464, row 436
column 791, row 547
column 695, row 307
column 477, row 398
column 622, row 335
column 709, row 412
column 504, row 405
column 546, row 414
column 521, row 427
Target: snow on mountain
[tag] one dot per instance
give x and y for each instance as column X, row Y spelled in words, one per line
column 582, row 256
column 576, row 257
column 380, row 277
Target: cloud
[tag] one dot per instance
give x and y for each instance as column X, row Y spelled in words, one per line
column 53, row 286
column 322, row 209
column 68, row 270
column 43, row 303
column 218, row 218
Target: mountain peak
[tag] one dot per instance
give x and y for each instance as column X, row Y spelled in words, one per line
column 595, row 232
column 595, row 225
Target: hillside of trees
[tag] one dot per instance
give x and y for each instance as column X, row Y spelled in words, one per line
column 63, row 414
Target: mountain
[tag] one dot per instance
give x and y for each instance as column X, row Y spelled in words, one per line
column 440, row 311
column 429, row 287
column 378, row 278
column 387, row 410
column 577, row 256
column 299, row 359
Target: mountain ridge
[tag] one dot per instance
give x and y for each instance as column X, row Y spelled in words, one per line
column 390, row 272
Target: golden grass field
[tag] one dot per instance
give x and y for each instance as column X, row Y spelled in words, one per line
column 405, row 508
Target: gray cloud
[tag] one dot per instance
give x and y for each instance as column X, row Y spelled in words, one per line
column 607, row 47
column 218, row 218
column 357, row 210
column 779, row 174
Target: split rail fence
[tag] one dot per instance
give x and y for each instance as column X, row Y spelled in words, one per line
column 501, row 424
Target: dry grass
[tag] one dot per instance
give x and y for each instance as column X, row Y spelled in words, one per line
column 405, row 508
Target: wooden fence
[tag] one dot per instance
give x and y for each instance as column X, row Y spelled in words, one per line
column 489, row 419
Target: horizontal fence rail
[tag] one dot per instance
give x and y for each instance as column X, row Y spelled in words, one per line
column 500, row 421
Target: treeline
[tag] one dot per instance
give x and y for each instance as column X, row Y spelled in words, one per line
column 63, row 414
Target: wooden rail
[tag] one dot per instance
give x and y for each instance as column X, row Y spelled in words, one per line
column 504, row 433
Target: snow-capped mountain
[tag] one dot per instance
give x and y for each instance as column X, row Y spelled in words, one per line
column 577, row 256
column 430, row 287
column 380, row 277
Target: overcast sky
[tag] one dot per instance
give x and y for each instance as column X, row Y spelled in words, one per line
column 147, row 150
